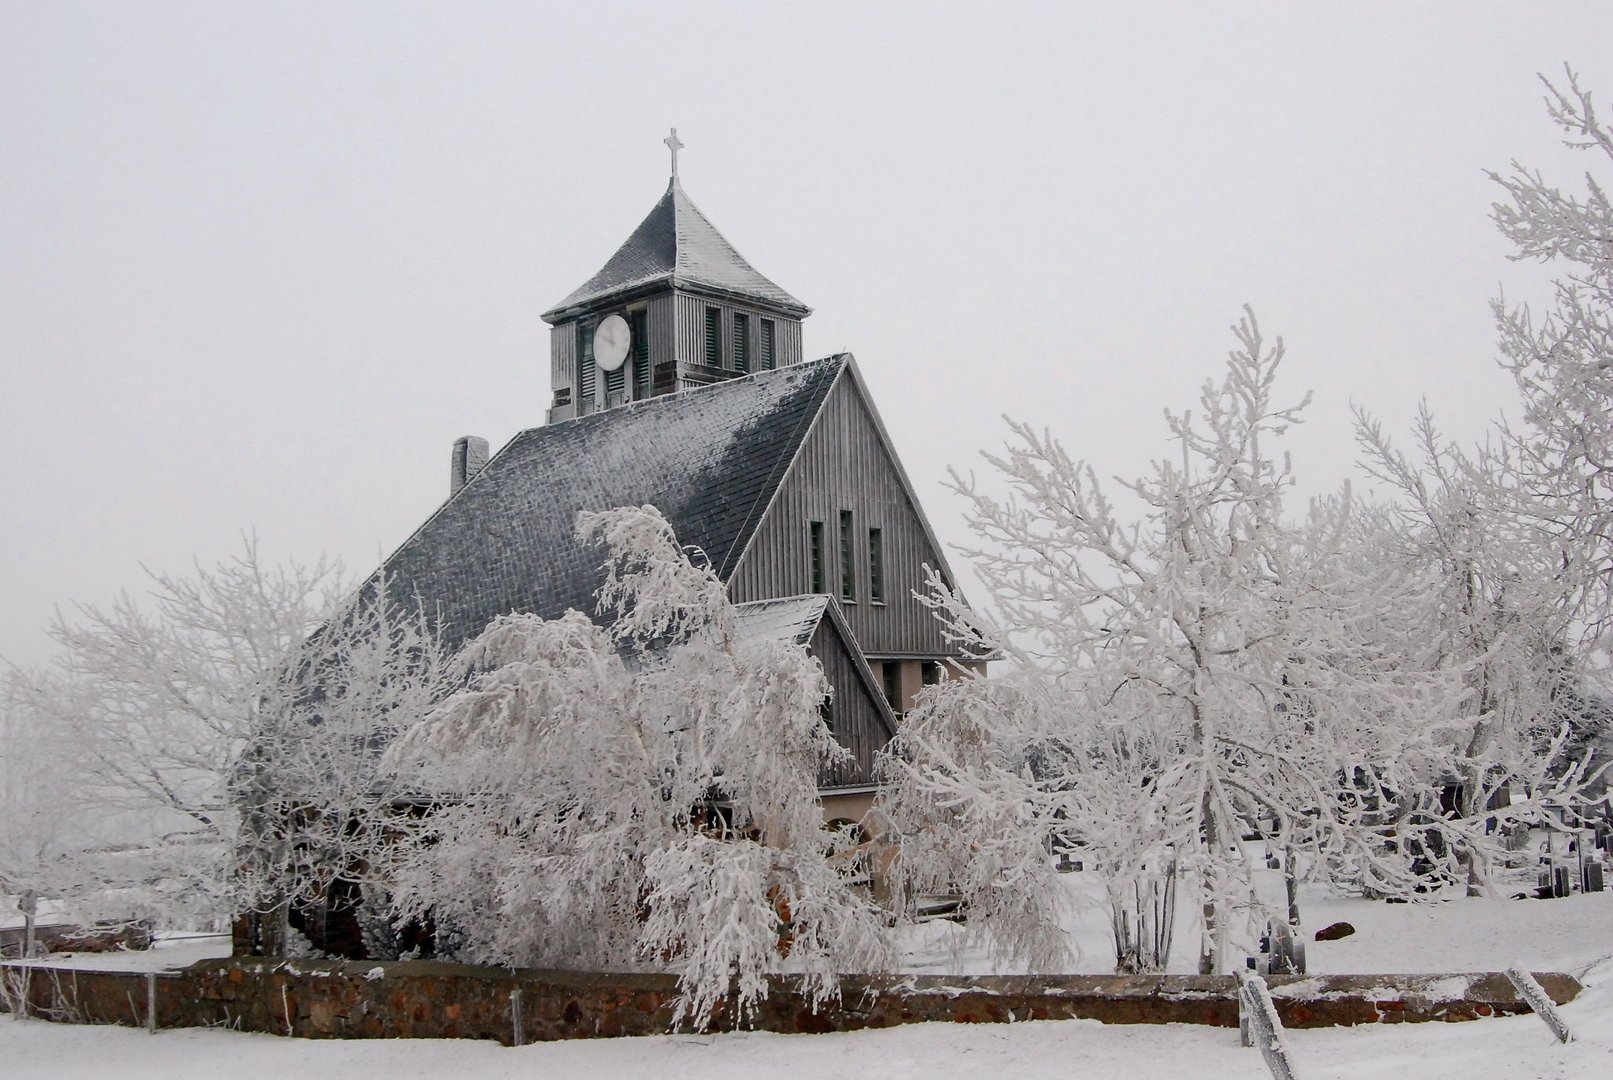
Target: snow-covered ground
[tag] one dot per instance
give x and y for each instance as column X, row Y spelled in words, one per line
column 1574, row 934
column 167, row 952
column 1451, row 935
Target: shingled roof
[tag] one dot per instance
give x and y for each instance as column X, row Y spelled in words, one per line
column 677, row 245
column 710, row 460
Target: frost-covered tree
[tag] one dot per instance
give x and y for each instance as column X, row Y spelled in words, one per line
column 1199, row 675
column 1562, row 358
column 40, row 834
column 636, row 794
column 1519, row 534
column 1501, row 614
column 228, row 727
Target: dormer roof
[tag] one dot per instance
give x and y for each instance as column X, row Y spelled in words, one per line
column 677, row 246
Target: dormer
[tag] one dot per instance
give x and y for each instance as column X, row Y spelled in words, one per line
column 675, row 308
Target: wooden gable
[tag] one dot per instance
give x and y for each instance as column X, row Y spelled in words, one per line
column 859, row 715
column 845, row 466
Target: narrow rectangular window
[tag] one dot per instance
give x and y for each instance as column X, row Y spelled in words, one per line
column 767, row 345
column 816, row 543
column 893, row 684
column 876, row 566
column 741, row 342
column 713, row 337
column 586, row 371
column 639, row 321
column 848, row 569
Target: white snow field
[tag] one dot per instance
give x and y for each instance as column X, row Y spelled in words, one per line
column 1573, row 934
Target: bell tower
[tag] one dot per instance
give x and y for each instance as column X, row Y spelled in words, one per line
column 675, row 308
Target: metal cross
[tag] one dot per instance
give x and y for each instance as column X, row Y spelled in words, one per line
column 673, row 145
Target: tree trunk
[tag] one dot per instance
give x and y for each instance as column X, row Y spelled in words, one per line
column 29, row 903
column 1212, row 943
column 1291, row 882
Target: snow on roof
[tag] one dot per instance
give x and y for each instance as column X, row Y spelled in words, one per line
column 790, row 618
column 676, row 244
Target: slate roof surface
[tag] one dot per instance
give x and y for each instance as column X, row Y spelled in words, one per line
column 676, row 244
column 708, row 459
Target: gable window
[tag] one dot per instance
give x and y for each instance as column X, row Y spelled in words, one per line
column 876, row 566
column 586, row 371
column 713, row 337
column 741, row 342
column 815, row 542
column 766, row 344
column 639, row 321
column 848, row 569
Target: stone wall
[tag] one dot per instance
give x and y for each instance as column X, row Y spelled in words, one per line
column 424, row 999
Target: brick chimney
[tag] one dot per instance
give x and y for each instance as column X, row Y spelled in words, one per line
column 470, row 454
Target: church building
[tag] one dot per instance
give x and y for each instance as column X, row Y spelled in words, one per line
column 679, row 380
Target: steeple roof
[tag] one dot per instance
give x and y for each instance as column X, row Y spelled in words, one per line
column 677, row 245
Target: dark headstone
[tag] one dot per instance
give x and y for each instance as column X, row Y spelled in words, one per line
column 1335, row 931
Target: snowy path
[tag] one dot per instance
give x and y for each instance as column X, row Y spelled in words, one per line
column 1515, row 1048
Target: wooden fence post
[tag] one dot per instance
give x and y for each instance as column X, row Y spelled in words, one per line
column 1258, row 1022
column 1535, row 995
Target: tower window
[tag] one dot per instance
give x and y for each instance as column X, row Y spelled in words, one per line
column 639, row 321
column 713, row 337
column 848, row 569
column 815, row 542
column 876, row 566
column 767, row 358
column 586, row 371
column 741, row 342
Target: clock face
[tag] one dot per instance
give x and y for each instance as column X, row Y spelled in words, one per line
column 611, row 341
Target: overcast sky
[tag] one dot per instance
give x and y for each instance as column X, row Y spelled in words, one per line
column 261, row 264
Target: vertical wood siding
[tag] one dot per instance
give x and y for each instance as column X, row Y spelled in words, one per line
column 690, row 345
column 563, row 356
column 854, row 717
column 843, row 465
column 562, row 371
column 690, row 332
column 787, row 341
column 677, row 329
column 663, row 331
